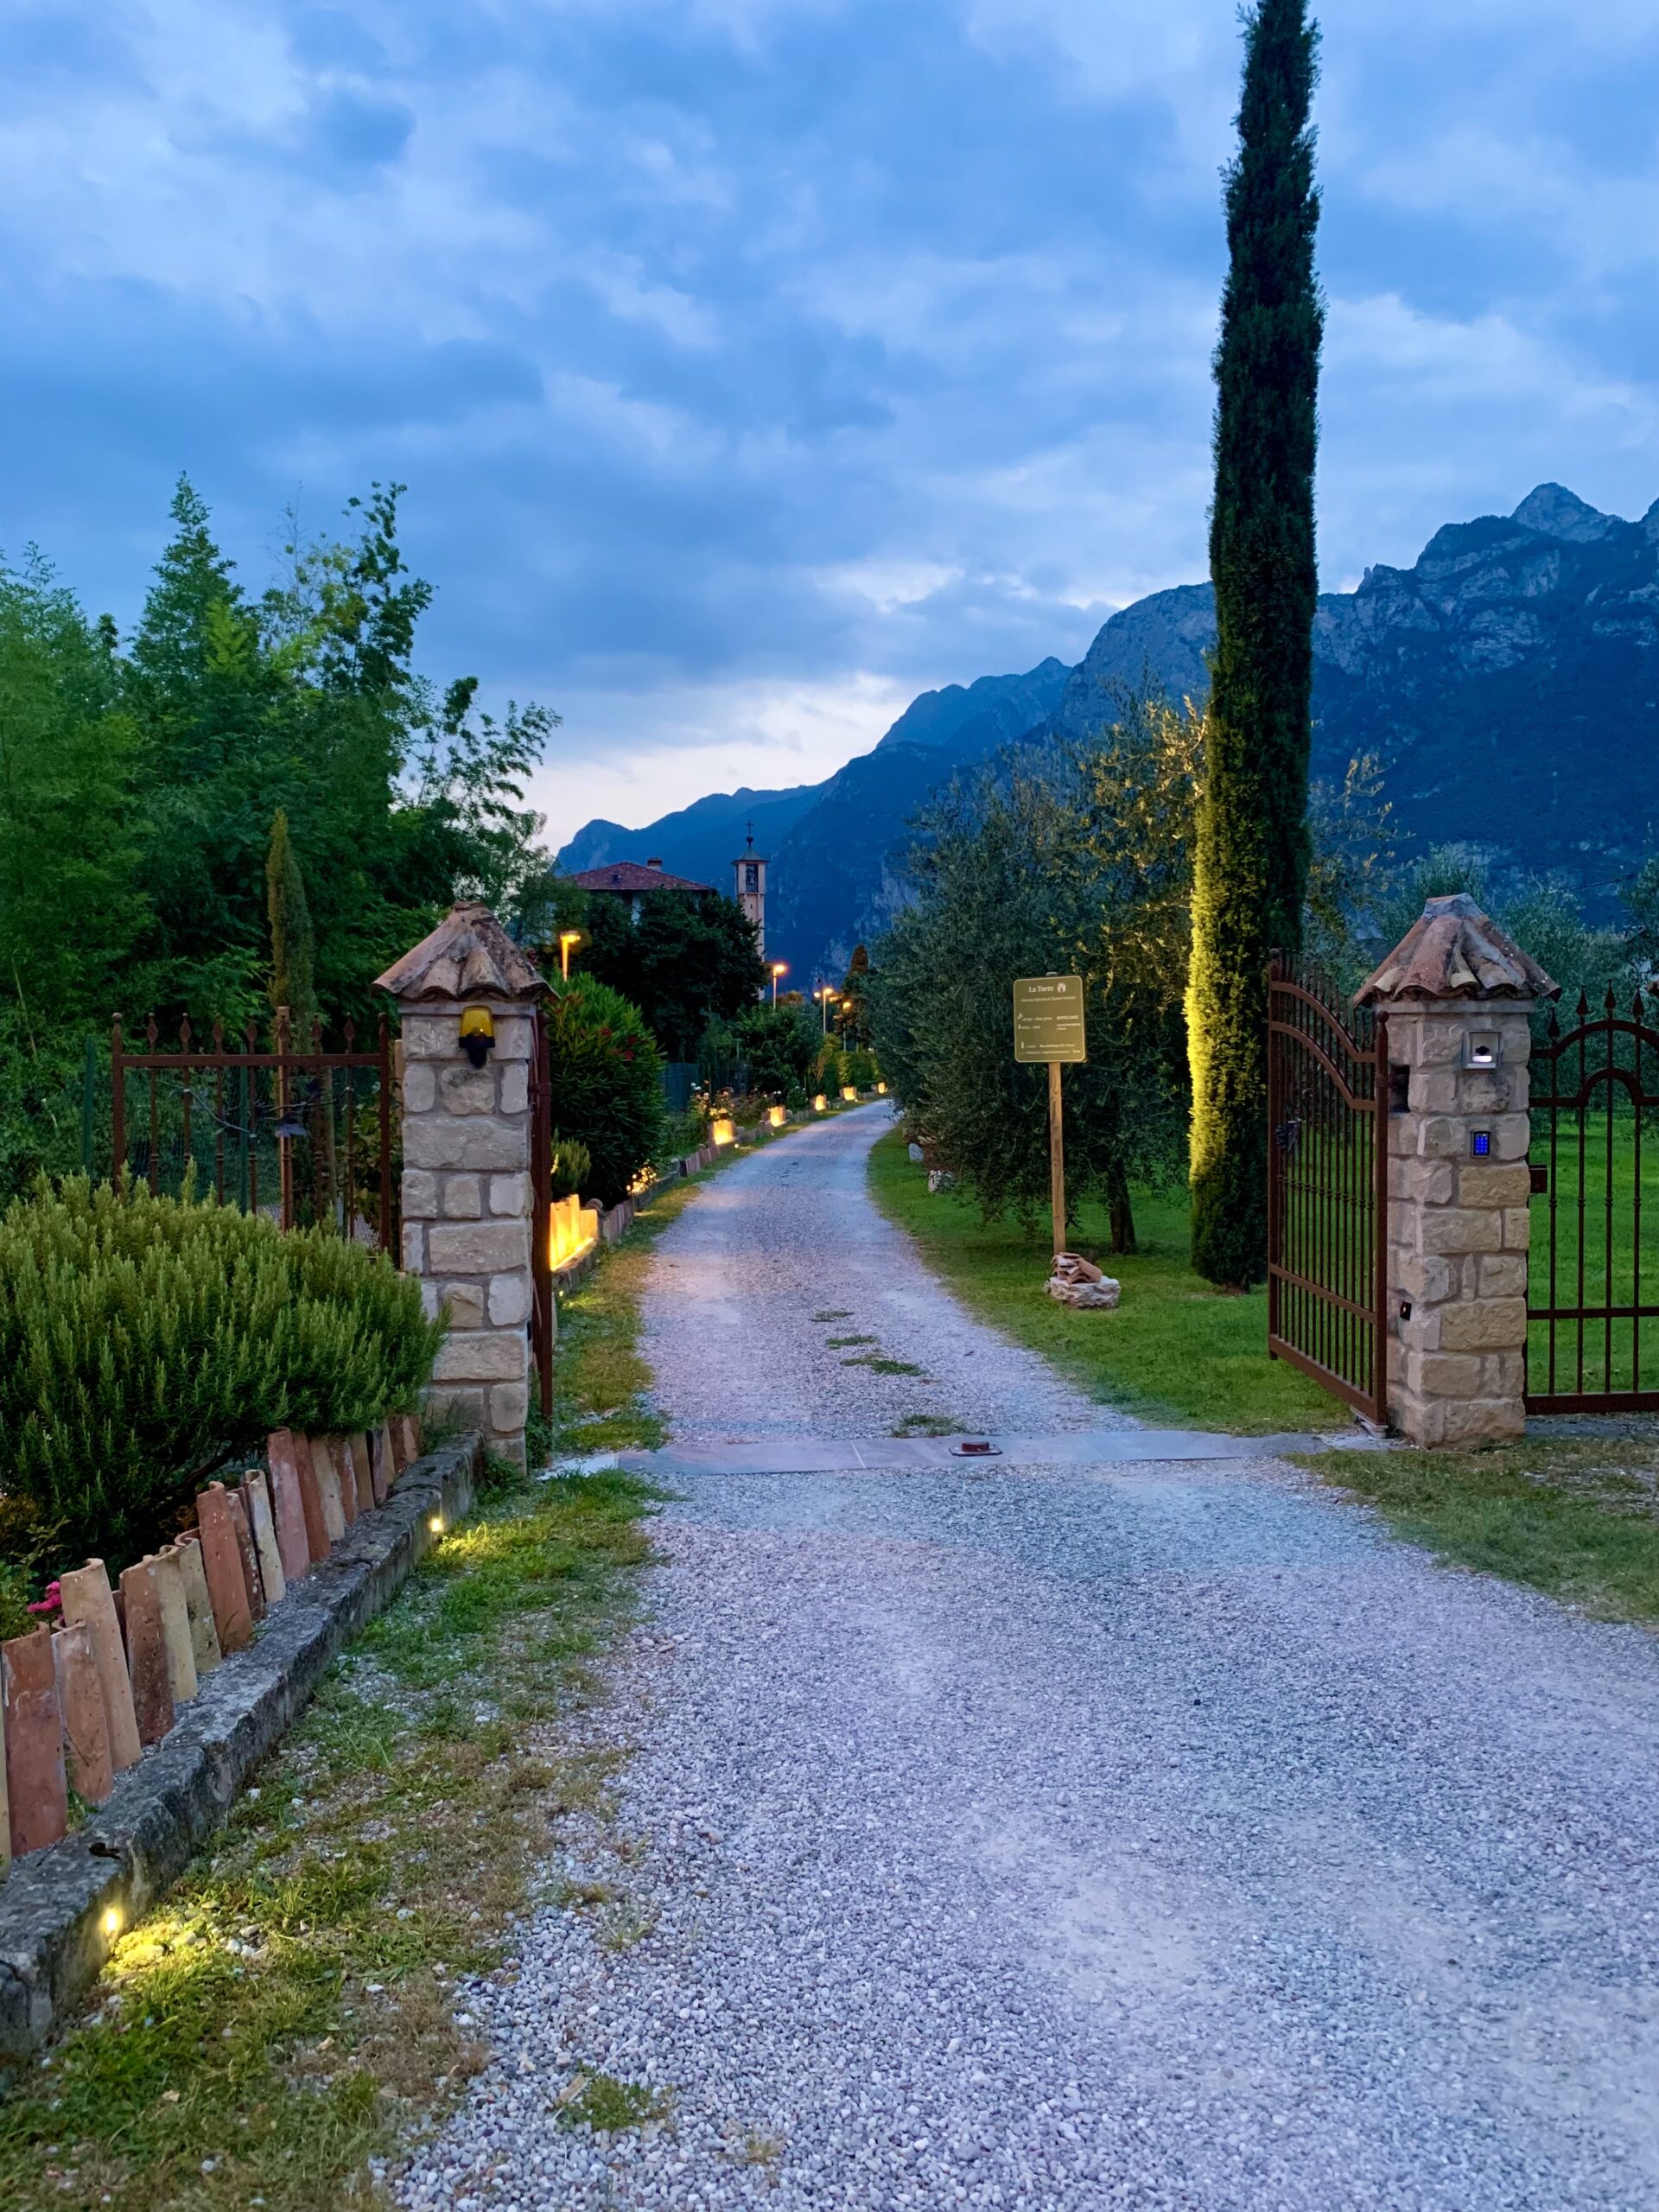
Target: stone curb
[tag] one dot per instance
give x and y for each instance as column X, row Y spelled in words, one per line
column 61, row 1909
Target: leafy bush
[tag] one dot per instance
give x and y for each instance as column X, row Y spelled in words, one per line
column 858, row 1068
column 145, row 1341
column 776, row 1046
column 606, row 1080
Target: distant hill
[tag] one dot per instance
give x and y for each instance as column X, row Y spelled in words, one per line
column 1507, row 682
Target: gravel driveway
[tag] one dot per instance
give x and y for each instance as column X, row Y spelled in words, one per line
column 1158, row 1836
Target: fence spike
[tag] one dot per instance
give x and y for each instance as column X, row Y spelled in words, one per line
column 1613, row 1002
column 350, row 1034
column 1583, row 1008
column 219, row 1036
column 184, row 1032
column 151, row 1032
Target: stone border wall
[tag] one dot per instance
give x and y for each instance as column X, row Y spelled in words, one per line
column 57, row 1904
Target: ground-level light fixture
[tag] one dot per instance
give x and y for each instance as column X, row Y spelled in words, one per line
column 776, row 1115
column 850, row 1091
column 820, row 1103
column 435, row 1524
column 111, row 1921
column 721, row 1130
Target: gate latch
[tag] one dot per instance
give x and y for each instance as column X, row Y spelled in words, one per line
column 1540, row 1181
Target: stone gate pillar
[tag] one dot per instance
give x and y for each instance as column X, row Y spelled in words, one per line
column 467, row 995
column 1457, row 992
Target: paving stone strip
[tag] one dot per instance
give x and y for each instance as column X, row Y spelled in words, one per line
column 1028, row 1835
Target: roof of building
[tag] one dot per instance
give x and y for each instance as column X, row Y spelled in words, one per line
column 469, row 955
column 1453, row 950
column 628, row 876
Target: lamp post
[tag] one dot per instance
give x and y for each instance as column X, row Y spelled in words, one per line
column 779, row 968
column 567, row 938
column 826, row 995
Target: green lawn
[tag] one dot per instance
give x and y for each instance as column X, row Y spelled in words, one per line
column 1572, row 1516
column 1602, row 1242
column 1175, row 1351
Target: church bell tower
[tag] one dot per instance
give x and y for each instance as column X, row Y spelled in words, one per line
column 750, row 870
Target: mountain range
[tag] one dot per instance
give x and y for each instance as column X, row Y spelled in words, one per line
column 1508, row 684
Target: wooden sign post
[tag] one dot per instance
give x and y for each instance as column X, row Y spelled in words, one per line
column 1048, row 1026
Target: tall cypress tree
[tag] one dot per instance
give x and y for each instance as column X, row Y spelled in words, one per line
column 1251, row 852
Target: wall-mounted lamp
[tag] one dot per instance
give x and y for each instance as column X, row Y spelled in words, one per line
column 477, row 1034
column 1480, row 1050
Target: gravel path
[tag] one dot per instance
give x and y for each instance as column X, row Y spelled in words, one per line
column 793, row 1233
column 1159, row 1837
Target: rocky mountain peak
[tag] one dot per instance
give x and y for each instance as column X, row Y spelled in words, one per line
column 1555, row 512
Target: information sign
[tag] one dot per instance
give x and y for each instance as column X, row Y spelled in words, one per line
column 1048, row 1018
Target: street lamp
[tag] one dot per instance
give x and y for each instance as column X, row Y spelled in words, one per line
column 567, row 938
column 779, row 968
column 826, row 995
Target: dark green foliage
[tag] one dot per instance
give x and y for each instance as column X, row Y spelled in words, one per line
column 1022, row 879
column 138, row 791
column 293, row 945
column 1251, row 858
column 853, row 1007
column 145, row 1340
column 606, row 1074
column 685, row 963
column 572, row 1168
column 776, row 1048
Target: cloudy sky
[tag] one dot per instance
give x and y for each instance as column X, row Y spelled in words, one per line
column 755, row 364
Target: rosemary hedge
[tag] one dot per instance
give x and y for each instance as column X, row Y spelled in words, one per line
column 146, row 1341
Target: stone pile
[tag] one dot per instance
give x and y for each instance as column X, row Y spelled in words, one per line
column 81, row 1700
column 1078, row 1281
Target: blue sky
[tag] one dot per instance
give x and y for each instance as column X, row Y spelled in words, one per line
column 755, row 364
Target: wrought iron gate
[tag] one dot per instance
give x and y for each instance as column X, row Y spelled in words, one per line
column 289, row 1131
column 1595, row 1151
column 1327, row 1186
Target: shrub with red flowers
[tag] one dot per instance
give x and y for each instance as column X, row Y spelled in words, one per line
column 606, row 1084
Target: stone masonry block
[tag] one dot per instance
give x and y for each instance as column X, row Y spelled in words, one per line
column 1501, row 1275
column 1441, row 1137
column 1436, row 1044
column 1482, row 1420
column 515, row 1087
column 509, row 1299
column 431, row 1298
column 414, row 1247
column 1423, row 1280
column 1424, row 1182
column 466, row 1304
column 420, row 1088
column 1442, row 1375
column 443, row 1140
column 431, row 1036
column 1445, row 1228
column 463, row 1089
column 470, row 1404
column 1484, row 1325
column 463, row 1197
column 1434, row 1090
column 1496, row 1092
column 1479, row 1185
column 509, row 1403
column 1512, row 1135
column 483, row 1356
column 510, row 1194
column 420, row 1194
column 1502, row 1374
column 1517, row 1229
column 480, row 1247
column 514, row 1037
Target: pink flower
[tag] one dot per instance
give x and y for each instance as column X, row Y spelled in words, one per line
column 52, row 1603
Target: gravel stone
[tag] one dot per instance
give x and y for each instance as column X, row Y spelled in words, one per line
column 1160, row 1837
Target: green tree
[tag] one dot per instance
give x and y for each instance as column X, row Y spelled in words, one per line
column 292, row 947
column 687, row 962
column 778, row 1048
column 852, row 1009
column 1251, row 857
column 606, row 1075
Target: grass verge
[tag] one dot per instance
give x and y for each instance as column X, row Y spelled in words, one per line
column 284, row 2018
column 1575, row 1515
column 1176, row 1351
